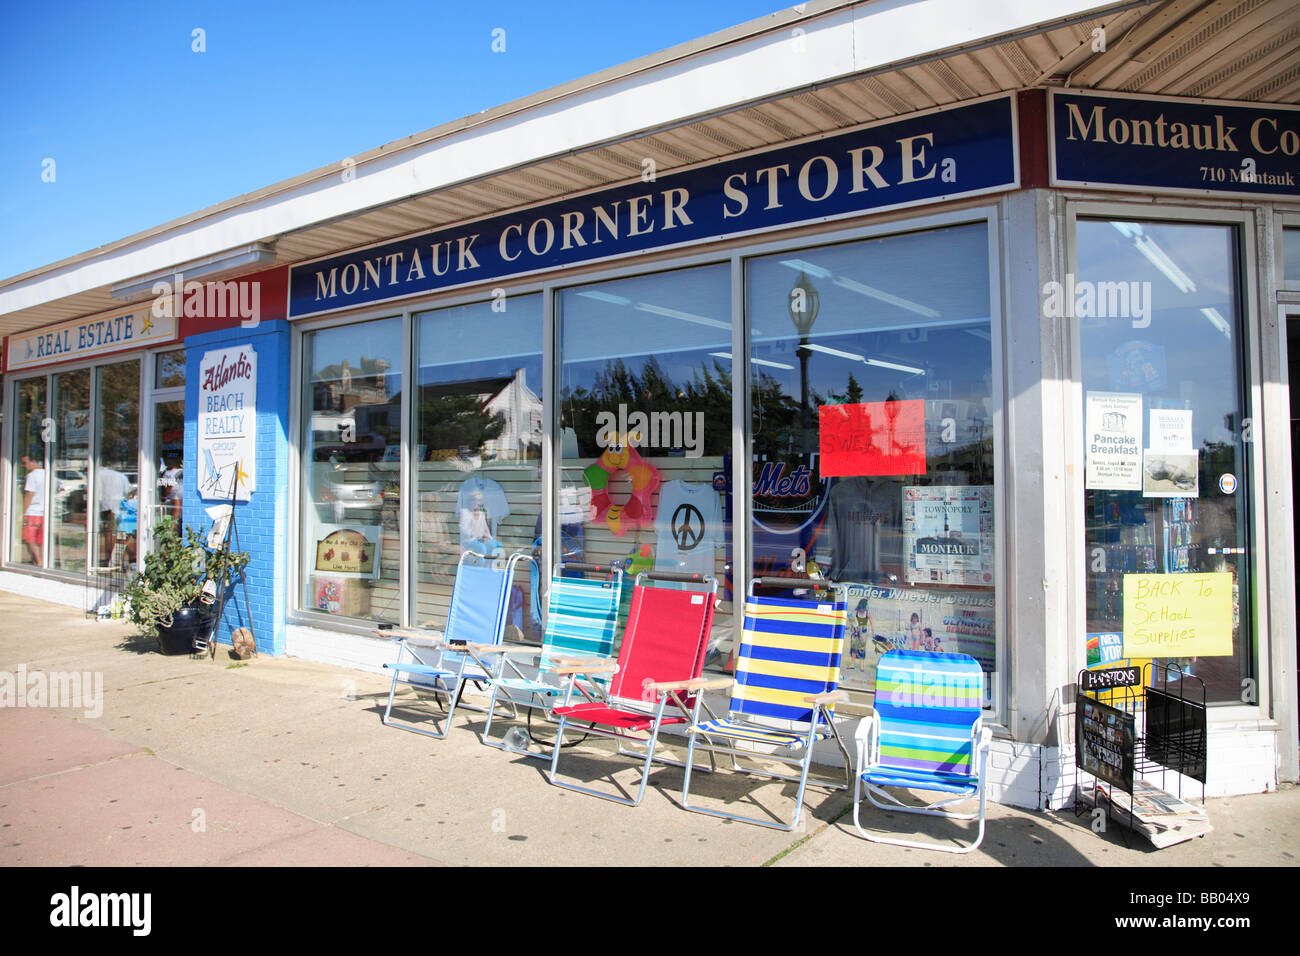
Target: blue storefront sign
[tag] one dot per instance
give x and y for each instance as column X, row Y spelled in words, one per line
column 963, row 151
column 1172, row 145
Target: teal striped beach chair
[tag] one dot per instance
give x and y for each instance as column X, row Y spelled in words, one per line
column 581, row 625
column 925, row 734
column 480, row 601
column 784, row 693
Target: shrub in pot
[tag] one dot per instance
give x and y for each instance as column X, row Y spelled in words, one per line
column 165, row 597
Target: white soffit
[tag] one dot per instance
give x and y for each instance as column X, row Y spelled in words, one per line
column 699, row 78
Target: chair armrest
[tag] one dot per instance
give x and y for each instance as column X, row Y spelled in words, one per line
column 499, row 649
column 578, row 661
column 866, row 737
column 609, row 668
column 410, row 637
column 695, row 683
column 828, row 697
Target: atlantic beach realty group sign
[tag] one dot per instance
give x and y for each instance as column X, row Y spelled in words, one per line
column 962, row 151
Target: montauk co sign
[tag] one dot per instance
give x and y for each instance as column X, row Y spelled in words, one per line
column 228, row 422
column 89, row 338
column 965, row 151
column 1165, row 144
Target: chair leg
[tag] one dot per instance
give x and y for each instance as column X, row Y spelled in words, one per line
column 770, row 824
column 930, row 811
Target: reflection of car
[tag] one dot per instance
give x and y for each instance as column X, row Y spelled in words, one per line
column 342, row 499
column 70, row 492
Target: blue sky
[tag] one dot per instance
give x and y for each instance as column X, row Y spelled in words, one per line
column 111, row 122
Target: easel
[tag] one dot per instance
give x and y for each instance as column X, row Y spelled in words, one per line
column 209, row 643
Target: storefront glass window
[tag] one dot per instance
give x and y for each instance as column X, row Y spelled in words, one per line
column 1167, row 479
column 1291, row 254
column 168, row 457
column 873, row 466
column 478, row 446
column 645, row 428
column 351, row 454
column 117, row 480
column 31, row 502
column 70, row 505
column 169, row 369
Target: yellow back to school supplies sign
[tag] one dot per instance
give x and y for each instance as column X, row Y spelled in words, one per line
column 1178, row 615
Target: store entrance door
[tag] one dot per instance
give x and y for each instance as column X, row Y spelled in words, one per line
column 1293, row 378
column 168, row 452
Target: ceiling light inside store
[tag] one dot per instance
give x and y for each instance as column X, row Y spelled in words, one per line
column 755, row 361
column 827, row 350
column 881, row 363
column 855, row 357
column 684, row 316
column 1218, row 321
column 799, row 265
column 880, row 295
column 1155, row 255
column 605, row 297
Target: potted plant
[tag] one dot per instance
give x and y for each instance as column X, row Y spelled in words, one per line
column 166, row 598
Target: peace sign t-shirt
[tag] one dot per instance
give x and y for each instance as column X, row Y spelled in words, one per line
column 689, row 528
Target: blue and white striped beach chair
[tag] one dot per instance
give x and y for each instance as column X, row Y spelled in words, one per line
column 925, row 734
column 581, row 625
column 784, row 693
column 480, row 602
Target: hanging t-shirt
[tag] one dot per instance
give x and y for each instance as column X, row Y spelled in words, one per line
column 480, row 506
column 864, row 527
column 689, row 527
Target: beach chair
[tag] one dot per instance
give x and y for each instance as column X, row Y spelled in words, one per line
column 659, row 663
column 787, row 670
column 581, row 624
column 925, row 734
column 480, row 601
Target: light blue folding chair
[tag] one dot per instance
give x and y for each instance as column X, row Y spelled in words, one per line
column 581, row 625
column 787, row 671
column 926, row 734
column 480, row 603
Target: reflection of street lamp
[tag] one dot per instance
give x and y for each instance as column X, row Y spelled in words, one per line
column 804, row 303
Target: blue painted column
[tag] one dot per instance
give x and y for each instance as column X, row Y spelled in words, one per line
column 262, row 522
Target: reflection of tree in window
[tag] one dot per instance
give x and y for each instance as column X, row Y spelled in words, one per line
column 653, row 390
column 451, row 421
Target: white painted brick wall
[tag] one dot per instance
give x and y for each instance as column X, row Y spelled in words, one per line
column 45, row 589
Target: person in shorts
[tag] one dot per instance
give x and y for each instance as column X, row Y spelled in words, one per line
column 34, row 509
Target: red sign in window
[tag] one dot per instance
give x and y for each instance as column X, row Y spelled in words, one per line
column 875, row 438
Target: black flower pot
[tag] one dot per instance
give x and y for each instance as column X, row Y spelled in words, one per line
column 186, row 624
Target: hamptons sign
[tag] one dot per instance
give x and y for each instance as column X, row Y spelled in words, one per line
column 963, row 151
column 1166, row 145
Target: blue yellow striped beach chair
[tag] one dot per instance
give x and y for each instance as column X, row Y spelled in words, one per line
column 784, row 693
column 480, row 601
column 925, row 734
column 581, row 624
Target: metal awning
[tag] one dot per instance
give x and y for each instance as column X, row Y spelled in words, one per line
column 816, row 69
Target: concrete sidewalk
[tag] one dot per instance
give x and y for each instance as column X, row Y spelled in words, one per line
column 285, row 762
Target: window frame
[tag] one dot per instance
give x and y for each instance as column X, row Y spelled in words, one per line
column 1242, row 221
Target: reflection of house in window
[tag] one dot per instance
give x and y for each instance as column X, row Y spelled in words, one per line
column 340, row 387
column 354, row 418
column 499, row 418
column 1114, row 421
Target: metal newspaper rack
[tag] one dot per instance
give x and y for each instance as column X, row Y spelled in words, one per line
column 1169, row 705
